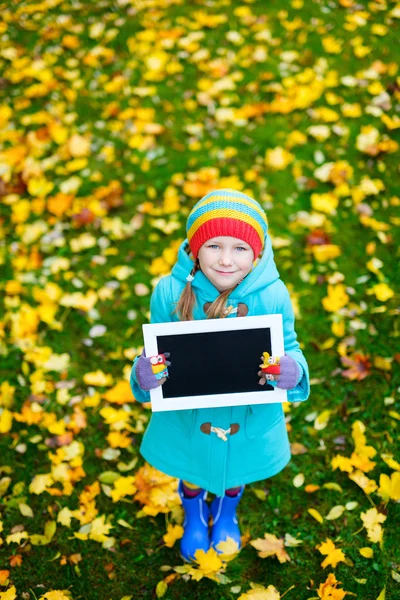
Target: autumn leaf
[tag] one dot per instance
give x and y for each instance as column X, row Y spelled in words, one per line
column 119, row 394
column 372, row 520
column 359, row 366
column 333, row 555
column 56, row 595
column 10, row 594
column 329, row 589
column 271, row 546
column 174, row 532
column 389, row 487
column 259, row 592
column 228, row 549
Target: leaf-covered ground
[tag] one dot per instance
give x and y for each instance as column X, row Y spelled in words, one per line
column 115, row 117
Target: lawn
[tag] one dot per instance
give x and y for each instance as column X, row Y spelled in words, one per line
column 115, row 118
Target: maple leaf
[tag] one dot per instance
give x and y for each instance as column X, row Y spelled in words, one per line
column 99, row 529
column 389, row 487
column 359, row 366
column 123, row 486
column 119, row 394
column 372, row 520
column 333, row 554
column 209, row 565
column 366, row 484
column 174, row 532
column 271, row 546
column 259, row 592
column 337, row 298
column 9, row 594
column 228, row 549
column 56, row 595
column 329, row 590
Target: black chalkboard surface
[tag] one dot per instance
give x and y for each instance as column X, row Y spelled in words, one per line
column 217, row 362
column 214, row 362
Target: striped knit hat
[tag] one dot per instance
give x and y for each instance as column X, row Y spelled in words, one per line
column 227, row 213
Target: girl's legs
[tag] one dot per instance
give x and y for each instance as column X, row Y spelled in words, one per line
column 190, row 490
column 225, row 524
column 233, row 491
column 223, row 510
column 196, row 535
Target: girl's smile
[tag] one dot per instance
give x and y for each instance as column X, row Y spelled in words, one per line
column 225, row 261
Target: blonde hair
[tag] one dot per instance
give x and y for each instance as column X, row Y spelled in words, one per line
column 187, row 301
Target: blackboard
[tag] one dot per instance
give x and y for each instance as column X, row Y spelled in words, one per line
column 215, row 362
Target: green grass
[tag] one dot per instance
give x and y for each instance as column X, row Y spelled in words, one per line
column 133, row 566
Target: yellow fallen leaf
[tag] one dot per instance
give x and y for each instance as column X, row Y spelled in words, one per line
column 174, row 532
column 16, row 538
column 6, row 394
column 123, row 486
column 9, row 594
column 366, row 552
column 322, row 420
column 389, row 487
column 228, row 549
column 98, row 378
column 6, row 419
column 332, row 485
column 259, row 592
column 317, row 516
column 335, row 512
column 333, row 555
column 119, row 394
column 329, row 590
column 25, row 510
column 298, row 481
column 278, row 158
column 161, row 589
column 389, row 460
column 99, row 529
column 208, row 562
column 40, row 483
column 56, row 595
column 372, row 520
column 271, row 546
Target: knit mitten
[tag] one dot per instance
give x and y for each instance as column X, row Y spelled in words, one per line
column 290, row 373
column 145, row 375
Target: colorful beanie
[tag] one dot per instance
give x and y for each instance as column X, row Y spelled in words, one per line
column 228, row 213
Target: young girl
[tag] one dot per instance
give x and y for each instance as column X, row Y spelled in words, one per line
column 225, row 268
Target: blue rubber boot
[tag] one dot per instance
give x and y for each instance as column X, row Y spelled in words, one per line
column 196, row 535
column 225, row 524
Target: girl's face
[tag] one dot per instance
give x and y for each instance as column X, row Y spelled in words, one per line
column 225, row 261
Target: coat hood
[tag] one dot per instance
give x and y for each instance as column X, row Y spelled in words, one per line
column 261, row 276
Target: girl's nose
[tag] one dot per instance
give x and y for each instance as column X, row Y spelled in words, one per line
column 226, row 259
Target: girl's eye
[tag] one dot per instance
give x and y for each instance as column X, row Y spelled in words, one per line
column 213, row 246
column 241, row 248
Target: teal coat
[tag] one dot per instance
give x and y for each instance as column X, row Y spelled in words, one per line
column 173, row 441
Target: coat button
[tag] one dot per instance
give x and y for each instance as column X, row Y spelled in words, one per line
column 234, row 428
column 206, row 428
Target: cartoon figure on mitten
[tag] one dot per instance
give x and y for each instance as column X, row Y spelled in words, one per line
column 270, row 364
column 159, row 366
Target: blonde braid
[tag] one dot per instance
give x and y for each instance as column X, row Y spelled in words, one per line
column 186, row 303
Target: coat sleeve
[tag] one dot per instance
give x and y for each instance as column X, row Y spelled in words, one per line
column 292, row 348
column 160, row 312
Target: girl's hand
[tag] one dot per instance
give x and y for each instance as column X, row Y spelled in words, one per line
column 288, row 377
column 145, row 367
